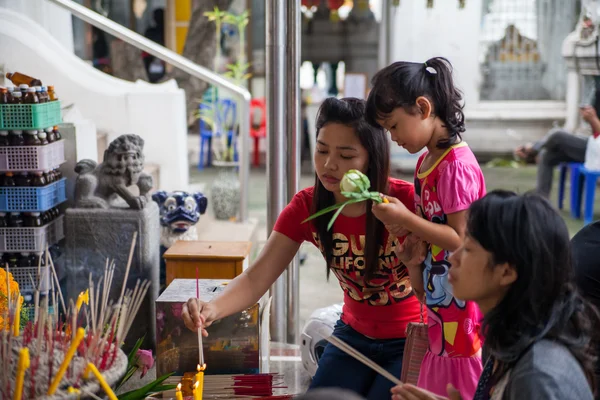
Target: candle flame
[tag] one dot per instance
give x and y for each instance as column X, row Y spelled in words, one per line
column 179, row 387
column 201, row 368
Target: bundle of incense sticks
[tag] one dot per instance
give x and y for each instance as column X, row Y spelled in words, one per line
column 250, row 386
column 91, row 329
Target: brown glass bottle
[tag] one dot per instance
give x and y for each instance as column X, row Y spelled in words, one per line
column 32, row 139
column 38, row 179
column 4, row 96
column 18, row 78
column 15, row 220
column 23, row 179
column 43, row 137
column 31, row 97
column 50, row 135
column 57, row 133
column 3, row 223
column 23, row 89
column 4, row 139
column 40, row 94
column 51, row 93
column 8, row 180
column 17, row 97
column 16, row 138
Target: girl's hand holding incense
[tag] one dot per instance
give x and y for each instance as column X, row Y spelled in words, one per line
column 198, row 314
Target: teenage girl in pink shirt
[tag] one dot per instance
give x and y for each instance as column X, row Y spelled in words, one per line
column 418, row 104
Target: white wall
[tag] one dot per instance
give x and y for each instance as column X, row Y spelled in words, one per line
column 54, row 19
column 154, row 112
column 419, row 33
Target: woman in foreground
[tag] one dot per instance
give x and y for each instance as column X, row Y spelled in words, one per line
column 515, row 263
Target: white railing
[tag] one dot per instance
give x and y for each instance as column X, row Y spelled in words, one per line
column 191, row 68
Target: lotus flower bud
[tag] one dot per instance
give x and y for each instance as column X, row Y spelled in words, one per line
column 355, row 181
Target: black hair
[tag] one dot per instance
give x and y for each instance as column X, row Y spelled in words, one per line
column 401, row 83
column 543, row 303
column 351, row 112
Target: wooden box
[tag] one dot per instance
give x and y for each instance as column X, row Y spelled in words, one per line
column 214, row 260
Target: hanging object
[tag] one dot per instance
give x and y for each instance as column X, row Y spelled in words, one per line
column 334, row 6
column 462, row 3
column 429, row 3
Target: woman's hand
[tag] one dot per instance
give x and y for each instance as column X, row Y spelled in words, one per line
column 198, row 314
column 410, row 392
column 392, row 213
column 412, row 251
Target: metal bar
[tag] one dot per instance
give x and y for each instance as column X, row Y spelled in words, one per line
column 384, row 34
column 277, row 148
column 191, row 68
column 293, row 40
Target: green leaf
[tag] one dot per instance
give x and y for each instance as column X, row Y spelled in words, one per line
column 324, row 211
column 133, row 354
column 142, row 393
column 337, row 213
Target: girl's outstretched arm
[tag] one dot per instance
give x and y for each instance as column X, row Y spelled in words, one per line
column 448, row 237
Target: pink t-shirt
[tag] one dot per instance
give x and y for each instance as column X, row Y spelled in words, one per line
column 449, row 186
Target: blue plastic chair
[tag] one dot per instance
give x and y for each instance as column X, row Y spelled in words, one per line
column 589, row 190
column 226, row 116
column 574, row 169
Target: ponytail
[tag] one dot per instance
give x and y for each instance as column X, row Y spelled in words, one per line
column 401, row 83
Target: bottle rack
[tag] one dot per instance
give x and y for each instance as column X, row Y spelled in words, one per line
column 27, row 240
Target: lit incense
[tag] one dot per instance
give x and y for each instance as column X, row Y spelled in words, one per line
column 21, row 368
column 178, row 395
column 65, row 364
column 105, row 386
column 199, row 385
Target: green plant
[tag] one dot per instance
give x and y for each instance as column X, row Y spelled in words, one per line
column 238, row 72
column 155, row 386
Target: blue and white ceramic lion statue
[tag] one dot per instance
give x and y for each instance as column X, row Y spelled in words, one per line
column 179, row 213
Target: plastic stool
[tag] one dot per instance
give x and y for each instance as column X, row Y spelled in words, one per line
column 575, row 187
column 589, row 190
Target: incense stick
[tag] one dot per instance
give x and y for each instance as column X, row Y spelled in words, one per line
column 362, row 358
column 200, row 348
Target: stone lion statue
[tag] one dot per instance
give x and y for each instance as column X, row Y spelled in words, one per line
column 121, row 168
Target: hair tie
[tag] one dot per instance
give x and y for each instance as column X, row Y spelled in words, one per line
column 429, row 69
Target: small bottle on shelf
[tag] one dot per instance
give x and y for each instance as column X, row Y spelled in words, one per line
column 8, row 180
column 50, row 135
column 32, row 139
column 51, row 93
column 31, row 97
column 3, row 223
column 11, row 90
column 58, row 174
column 16, row 138
column 43, row 137
column 4, row 139
column 37, row 219
column 25, row 260
column 23, row 179
column 18, row 78
column 23, row 89
column 15, row 220
column 57, row 133
column 40, row 94
column 13, row 260
column 45, row 216
column 4, row 96
column 27, row 220
column 17, row 97
column 38, row 179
